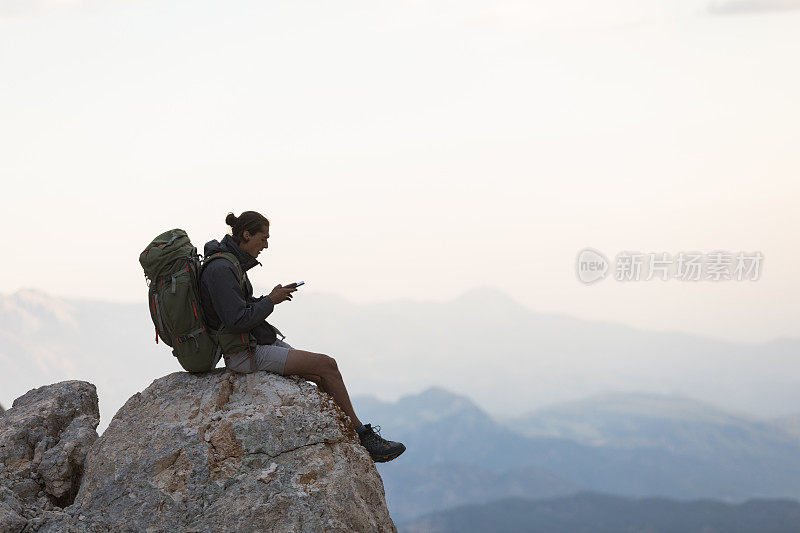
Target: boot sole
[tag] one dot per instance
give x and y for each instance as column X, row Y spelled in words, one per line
column 387, row 458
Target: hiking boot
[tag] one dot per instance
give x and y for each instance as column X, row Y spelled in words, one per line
column 380, row 449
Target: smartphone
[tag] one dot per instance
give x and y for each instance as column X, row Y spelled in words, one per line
column 298, row 284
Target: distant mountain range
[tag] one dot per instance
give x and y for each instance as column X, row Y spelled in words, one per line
column 512, row 360
column 600, row 513
column 45, row 340
column 664, row 446
column 790, row 423
column 646, row 420
column 483, row 344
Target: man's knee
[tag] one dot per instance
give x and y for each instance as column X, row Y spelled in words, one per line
column 300, row 362
column 329, row 365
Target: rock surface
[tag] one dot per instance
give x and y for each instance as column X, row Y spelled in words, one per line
column 223, row 452
column 44, row 439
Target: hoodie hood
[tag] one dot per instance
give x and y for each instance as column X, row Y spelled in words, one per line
column 229, row 245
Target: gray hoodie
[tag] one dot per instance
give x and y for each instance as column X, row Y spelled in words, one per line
column 223, row 300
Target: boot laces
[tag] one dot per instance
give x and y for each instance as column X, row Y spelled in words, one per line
column 374, row 435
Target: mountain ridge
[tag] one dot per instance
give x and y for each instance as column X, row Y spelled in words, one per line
column 593, row 512
column 510, row 361
column 710, row 459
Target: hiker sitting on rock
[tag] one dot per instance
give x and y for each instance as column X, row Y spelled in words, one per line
column 249, row 343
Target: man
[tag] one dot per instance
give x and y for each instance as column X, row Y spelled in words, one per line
column 234, row 310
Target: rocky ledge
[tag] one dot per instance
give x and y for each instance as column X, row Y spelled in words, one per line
column 212, row 452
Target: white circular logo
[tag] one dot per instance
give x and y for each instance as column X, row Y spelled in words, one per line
column 591, row 265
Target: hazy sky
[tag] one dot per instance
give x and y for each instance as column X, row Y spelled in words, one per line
column 411, row 149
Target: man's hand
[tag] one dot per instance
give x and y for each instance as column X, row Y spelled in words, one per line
column 281, row 294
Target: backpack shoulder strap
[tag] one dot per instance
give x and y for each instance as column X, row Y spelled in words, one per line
column 230, row 257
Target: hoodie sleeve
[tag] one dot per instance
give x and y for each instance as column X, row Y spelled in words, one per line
column 230, row 303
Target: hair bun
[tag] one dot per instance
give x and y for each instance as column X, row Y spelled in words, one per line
column 231, row 220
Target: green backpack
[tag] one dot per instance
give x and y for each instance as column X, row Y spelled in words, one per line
column 172, row 267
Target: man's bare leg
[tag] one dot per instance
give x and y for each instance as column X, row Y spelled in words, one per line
column 310, row 365
column 301, row 362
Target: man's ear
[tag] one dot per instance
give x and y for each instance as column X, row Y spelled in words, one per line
column 246, row 236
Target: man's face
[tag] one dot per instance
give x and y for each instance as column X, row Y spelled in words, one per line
column 254, row 243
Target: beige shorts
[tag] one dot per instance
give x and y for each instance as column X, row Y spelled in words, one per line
column 269, row 357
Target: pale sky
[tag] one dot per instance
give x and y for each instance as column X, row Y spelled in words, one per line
column 411, row 150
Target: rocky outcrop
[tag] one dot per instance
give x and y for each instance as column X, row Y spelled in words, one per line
column 44, row 439
column 214, row 452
